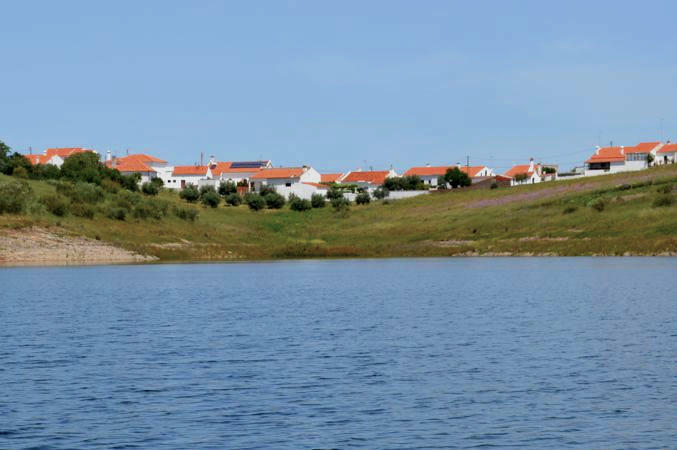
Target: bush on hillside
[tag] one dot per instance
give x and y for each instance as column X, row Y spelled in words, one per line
column 157, row 181
column 187, row 213
column 151, row 208
column 494, row 185
column 206, row 188
column 317, row 201
column 210, row 198
column 226, row 188
column 569, row 210
column 189, row 194
column 150, row 188
column 234, row 199
column 363, row 198
column 20, row 172
column 130, row 182
column 665, row 189
column 83, row 167
column 14, row 196
column 45, row 172
column 381, row 192
column 254, row 201
column 265, row 190
column 87, row 193
column 116, row 213
column 274, row 200
column 663, row 200
column 55, row 204
column 82, row 210
column 597, row 204
column 334, row 192
column 299, row 204
column 109, row 185
column 340, row 204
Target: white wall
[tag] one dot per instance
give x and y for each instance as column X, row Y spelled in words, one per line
column 618, row 166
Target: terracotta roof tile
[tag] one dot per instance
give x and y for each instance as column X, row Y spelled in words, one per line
column 281, row 172
column 330, row 177
column 668, row 148
column 190, row 170
column 372, row 177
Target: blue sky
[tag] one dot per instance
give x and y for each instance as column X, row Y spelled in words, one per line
column 339, row 85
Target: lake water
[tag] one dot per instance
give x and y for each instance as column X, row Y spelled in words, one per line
column 401, row 353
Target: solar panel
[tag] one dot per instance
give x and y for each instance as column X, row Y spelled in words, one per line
column 247, row 164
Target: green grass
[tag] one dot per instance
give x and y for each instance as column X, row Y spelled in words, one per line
column 547, row 218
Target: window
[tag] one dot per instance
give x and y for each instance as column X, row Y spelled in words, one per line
column 288, row 184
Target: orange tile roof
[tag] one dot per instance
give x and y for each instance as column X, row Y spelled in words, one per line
column 227, row 167
column 428, row 171
column 643, row 147
column 668, row 148
column 65, row 151
column 37, row 159
column 281, row 172
column 523, row 168
column 144, row 158
column 607, row 154
column 132, row 165
column 317, row 185
column 330, row 177
column 190, row 170
column 373, row 177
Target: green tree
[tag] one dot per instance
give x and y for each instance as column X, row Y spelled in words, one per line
column 4, row 155
column 317, row 201
column 274, row 200
column 456, row 178
column 381, row 192
column 190, row 193
column 363, row 198
column 211, row 199
column 254, row 201
column 234, row 199
column 227, row 187
column 299, row 204
column 150, row 188
column 83, row 167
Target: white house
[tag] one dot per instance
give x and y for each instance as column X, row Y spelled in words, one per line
column 369, row 180
column 621, row 159
column 531, row 171
column 147, row 166
column 430, row 174
column 56, row 156
column 302, row 181
column 238, row 171
column 181, row 176
column 667, row 154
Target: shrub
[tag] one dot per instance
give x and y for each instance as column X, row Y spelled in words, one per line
column 597, row 204
column 363, row 198
column 334, row 192
column 190, row 194
column 83, row 167
column 265, row 190
column 116, row 213
column 317, row 201
column 663, row 200
column 569, row 209
column 130, row 182
column 151, row 209
column 150, row 188
column 14, row 196
column 211, row 199
column 381, row 192
column 254, row 201
column 340, row 204
column 299, row 204
column 86, row 193
column 274, row 200
column 206, row 188
column 456, row 178
column 129, row 197
column 82, row 210
column 494, row 185
column 157, row 181
column 189, row 214
column 110, row 186
column 227, row 187
column 665, row 189
column 234, row 199
column 45, row 172
column 55, row 204
column 441, row 183
column 406, row 183
column 20, row 172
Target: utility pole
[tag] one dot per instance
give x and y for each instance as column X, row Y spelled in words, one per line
column 201, row 157
column 467, row 165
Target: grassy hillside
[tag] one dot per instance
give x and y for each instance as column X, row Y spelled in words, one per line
column 550, row 218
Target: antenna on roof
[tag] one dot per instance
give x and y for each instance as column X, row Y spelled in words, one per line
column 201, row 157
column 30, row 150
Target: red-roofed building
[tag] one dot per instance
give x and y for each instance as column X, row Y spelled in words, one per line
column 621, row 158
column 667, row 154
column 525, row 173
column 430, row 174
column 55, row 156
column 369, row 179
column 300, row 181
column 329, row 178
column 147, row 166
column 238, row 171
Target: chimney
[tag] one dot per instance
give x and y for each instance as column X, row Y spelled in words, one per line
column 427, row 165
column 114, row 162
column 212, row 162
column 622, row 149
column 531, row 164
column 597, row 150
column 109, row 156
